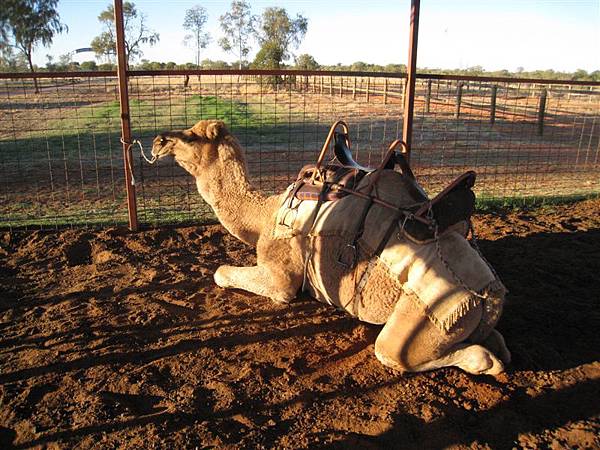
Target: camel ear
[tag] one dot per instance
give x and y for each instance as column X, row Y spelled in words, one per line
column 209, row 129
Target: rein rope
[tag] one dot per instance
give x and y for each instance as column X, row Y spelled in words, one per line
column 128, row 156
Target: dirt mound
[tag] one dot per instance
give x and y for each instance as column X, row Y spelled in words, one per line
column 111, row 338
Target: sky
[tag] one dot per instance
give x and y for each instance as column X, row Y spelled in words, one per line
column 563, row 35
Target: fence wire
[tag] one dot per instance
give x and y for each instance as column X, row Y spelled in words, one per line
column 61, row 160
column 60, row 156
column 525, row 140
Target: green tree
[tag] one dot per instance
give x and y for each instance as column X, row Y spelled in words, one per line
column 136, row 33
column 89, row 66
column 107, row 66
column 306, row 62
column 11, row 62
column 24, row 24
column 580, row 74
column 395, row 68
column 278, row 34
column 209, row 64
column 195, row 19
column 269, row 56
column 238, row 26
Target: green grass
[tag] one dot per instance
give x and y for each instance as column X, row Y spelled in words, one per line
column 151, row 115
column 93, row 130
column 496, row 204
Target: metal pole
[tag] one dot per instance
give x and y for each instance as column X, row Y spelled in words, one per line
column 125, row 123
column 409, row 100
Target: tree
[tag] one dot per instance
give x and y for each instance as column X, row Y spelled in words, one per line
column 306, row 62
column 89, row 66
column 268, row 57
column 278, row 35
column 580, row 74
column 24, row 24
column 136, row 33
column 9, row 62
column 238, row 25
column 195, row 19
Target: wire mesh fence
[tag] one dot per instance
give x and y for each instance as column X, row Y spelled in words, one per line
column 281, row 122
column 61, row 159
column 525, row 140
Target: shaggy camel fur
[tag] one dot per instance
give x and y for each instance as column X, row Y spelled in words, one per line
column 431, row 321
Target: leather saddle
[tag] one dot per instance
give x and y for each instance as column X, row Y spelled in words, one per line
column 339, row 178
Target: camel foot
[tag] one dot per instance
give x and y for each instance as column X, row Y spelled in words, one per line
column 473, row 359
column 478, row 360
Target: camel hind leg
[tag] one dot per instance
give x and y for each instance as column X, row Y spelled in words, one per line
column 410, row 342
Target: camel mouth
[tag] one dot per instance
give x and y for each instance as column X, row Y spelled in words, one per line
column 161, row 147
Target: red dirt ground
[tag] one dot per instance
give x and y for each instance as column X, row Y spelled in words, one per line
column 114, row 339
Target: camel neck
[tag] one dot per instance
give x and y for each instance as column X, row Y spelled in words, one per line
column 240, row 208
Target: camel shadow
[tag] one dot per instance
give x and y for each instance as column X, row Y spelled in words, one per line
column 551, row 317
column 498, row 427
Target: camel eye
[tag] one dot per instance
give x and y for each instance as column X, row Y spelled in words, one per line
column 162, row 141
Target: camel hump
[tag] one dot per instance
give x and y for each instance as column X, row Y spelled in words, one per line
column 210, row 129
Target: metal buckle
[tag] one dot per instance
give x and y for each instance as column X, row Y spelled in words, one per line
column 354, row 257
column 407, row 217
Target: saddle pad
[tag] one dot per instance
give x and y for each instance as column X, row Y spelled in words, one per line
column 415, row 267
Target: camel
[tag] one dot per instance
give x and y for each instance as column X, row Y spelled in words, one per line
column 431, row 317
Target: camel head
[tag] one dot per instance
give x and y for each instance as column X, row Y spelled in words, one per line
column 198, row 147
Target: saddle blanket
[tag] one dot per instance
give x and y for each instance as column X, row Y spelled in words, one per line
column 442, row 279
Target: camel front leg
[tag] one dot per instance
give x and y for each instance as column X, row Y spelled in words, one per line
column 277, row 285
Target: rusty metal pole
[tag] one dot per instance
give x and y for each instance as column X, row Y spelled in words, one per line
column 411, row 72
column 125, row 123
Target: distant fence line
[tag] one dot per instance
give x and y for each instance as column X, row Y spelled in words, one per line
column 61, row 160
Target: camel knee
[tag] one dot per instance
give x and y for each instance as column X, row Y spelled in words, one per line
column 393, row 361
column 405, row 355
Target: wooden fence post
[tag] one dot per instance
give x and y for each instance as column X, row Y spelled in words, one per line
column 385, row 91
column 428, row 97
column 493, row 105
column 354, row 90
column 341, row 86
column 459, row 91
column 331, row 85
column 541, row 112
column 368, row 88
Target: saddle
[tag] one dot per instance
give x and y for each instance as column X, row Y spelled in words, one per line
column 339, row 178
